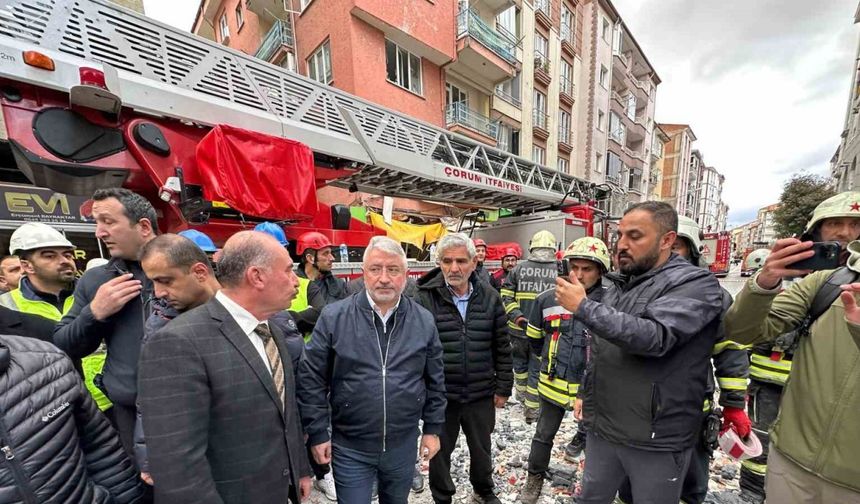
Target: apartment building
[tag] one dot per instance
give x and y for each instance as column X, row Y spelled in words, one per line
column 766, row 233
column 722, row 217
column 675, row 166
column 532, row 77
column 655, row 175
column 843, row 166
column 710, row 209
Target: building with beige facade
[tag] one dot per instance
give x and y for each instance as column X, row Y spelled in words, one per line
column 675, row 165
column 710, row 206
column 843, row 166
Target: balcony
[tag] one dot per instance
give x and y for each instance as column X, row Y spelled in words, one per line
column 567, row 91
column 542, row 74
column 567, row 40
column 565, row 143
column 508, row 97
column 276, row 43
column 461, row 119
column 540, row 121
column 266, row 9
column 484, row 55
column 497, row 6
column 620, row 62
column 542, row 13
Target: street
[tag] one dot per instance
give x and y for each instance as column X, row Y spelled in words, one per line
column 734, row 281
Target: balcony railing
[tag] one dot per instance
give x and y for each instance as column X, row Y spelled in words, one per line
column 564, row 135
column 279, row 36
column 459, row 114
column 540, row 118
column 567, row 34
column 501, row 93
column 470, row 23
column 567, row 85
column 542, row 6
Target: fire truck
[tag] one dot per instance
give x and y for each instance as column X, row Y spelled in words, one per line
column 717, row 252
column 94, row 96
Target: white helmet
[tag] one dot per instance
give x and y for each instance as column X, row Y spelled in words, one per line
column 35, row 235
column 689, row 229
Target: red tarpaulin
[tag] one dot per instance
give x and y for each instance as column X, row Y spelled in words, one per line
column 495, row 251
column 258, row 175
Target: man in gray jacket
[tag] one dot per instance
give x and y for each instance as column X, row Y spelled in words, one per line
column 653, row 334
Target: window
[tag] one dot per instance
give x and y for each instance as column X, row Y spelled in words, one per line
column 598, row 164
column 614, row 166
column 567, row 24
column 240, row 17
column 616, row 128
column 563, row 127
column 223, row 27
column 600, row 120
column 566, row 78
column 319, row 64
column 606, row 30
column 604, row 77
column 510, row 90
column 402, row 67
column 631, row 107
column 634, row 181
column 562, row 165
column 303, row 4
column 538, row 154
column 539, row 106
column 541, row 45
column 508, row 22
column 453, row 95
column 509, row 139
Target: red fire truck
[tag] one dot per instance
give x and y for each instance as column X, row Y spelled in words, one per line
column 717, row 251
column 94, row 95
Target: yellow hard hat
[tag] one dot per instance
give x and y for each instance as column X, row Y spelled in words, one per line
column 543, row 239
column 590, row 248
column 845, row 204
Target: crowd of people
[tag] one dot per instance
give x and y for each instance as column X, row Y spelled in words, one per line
column 180, row 372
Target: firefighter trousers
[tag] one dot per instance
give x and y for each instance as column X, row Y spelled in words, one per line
column 762, row 408
column 526, row 370
column 548, row 423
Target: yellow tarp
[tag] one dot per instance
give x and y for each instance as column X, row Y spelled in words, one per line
column 414, row 234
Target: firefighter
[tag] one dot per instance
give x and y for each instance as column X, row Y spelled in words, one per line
column 835, row 219
column 509, row 260
column 481, row 249
column 315, row 250
column 562, row 343
column 47, row 259
column 519, row 291
column 731, row 367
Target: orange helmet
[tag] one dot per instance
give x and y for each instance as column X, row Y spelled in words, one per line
column 312, row 240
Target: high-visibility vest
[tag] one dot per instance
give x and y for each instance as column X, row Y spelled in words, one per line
column 92, row 364
column 300, row 302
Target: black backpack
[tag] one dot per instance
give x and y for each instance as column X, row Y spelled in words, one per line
column 825, row 297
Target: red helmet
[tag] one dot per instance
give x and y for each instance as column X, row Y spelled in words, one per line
column 312, row 240
column 511, row 252
column 479, row 242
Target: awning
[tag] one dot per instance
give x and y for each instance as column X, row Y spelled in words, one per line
column 258, row 175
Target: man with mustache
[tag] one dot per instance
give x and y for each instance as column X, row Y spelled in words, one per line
column 476, row 350
column 653, row 332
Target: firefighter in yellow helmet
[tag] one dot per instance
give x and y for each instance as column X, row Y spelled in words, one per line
column 835, row 219
column 562, row 343
column 519, row 291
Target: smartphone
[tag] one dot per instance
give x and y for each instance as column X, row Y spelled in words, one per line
column 826, row 257
column 563, row 269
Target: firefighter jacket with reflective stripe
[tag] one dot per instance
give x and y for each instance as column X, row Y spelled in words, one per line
column 562, row 342
column 521, row 288
column 817, row 427
column 25, row 299
column 769, row 365
column 731, row 367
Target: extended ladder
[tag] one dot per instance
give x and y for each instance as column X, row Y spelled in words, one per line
column 157, row 69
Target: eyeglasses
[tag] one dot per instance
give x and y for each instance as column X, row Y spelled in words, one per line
column 393, row 271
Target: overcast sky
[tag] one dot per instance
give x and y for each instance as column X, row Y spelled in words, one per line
column 763, row 83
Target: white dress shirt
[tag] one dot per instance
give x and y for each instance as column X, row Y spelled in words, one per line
column 247, row 323
column 383, row 318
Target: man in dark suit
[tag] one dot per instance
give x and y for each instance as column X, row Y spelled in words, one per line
column 217, row 389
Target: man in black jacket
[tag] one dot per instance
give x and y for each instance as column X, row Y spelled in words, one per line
column 652, row 338
column 24, row 324
column 112, row 303
column 59, row 447
column 372, row 369
column 476, row 350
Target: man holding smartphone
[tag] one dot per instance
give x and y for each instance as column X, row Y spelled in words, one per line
column 815, row 439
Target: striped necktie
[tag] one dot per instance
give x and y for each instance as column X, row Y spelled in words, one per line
column 274, row 357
